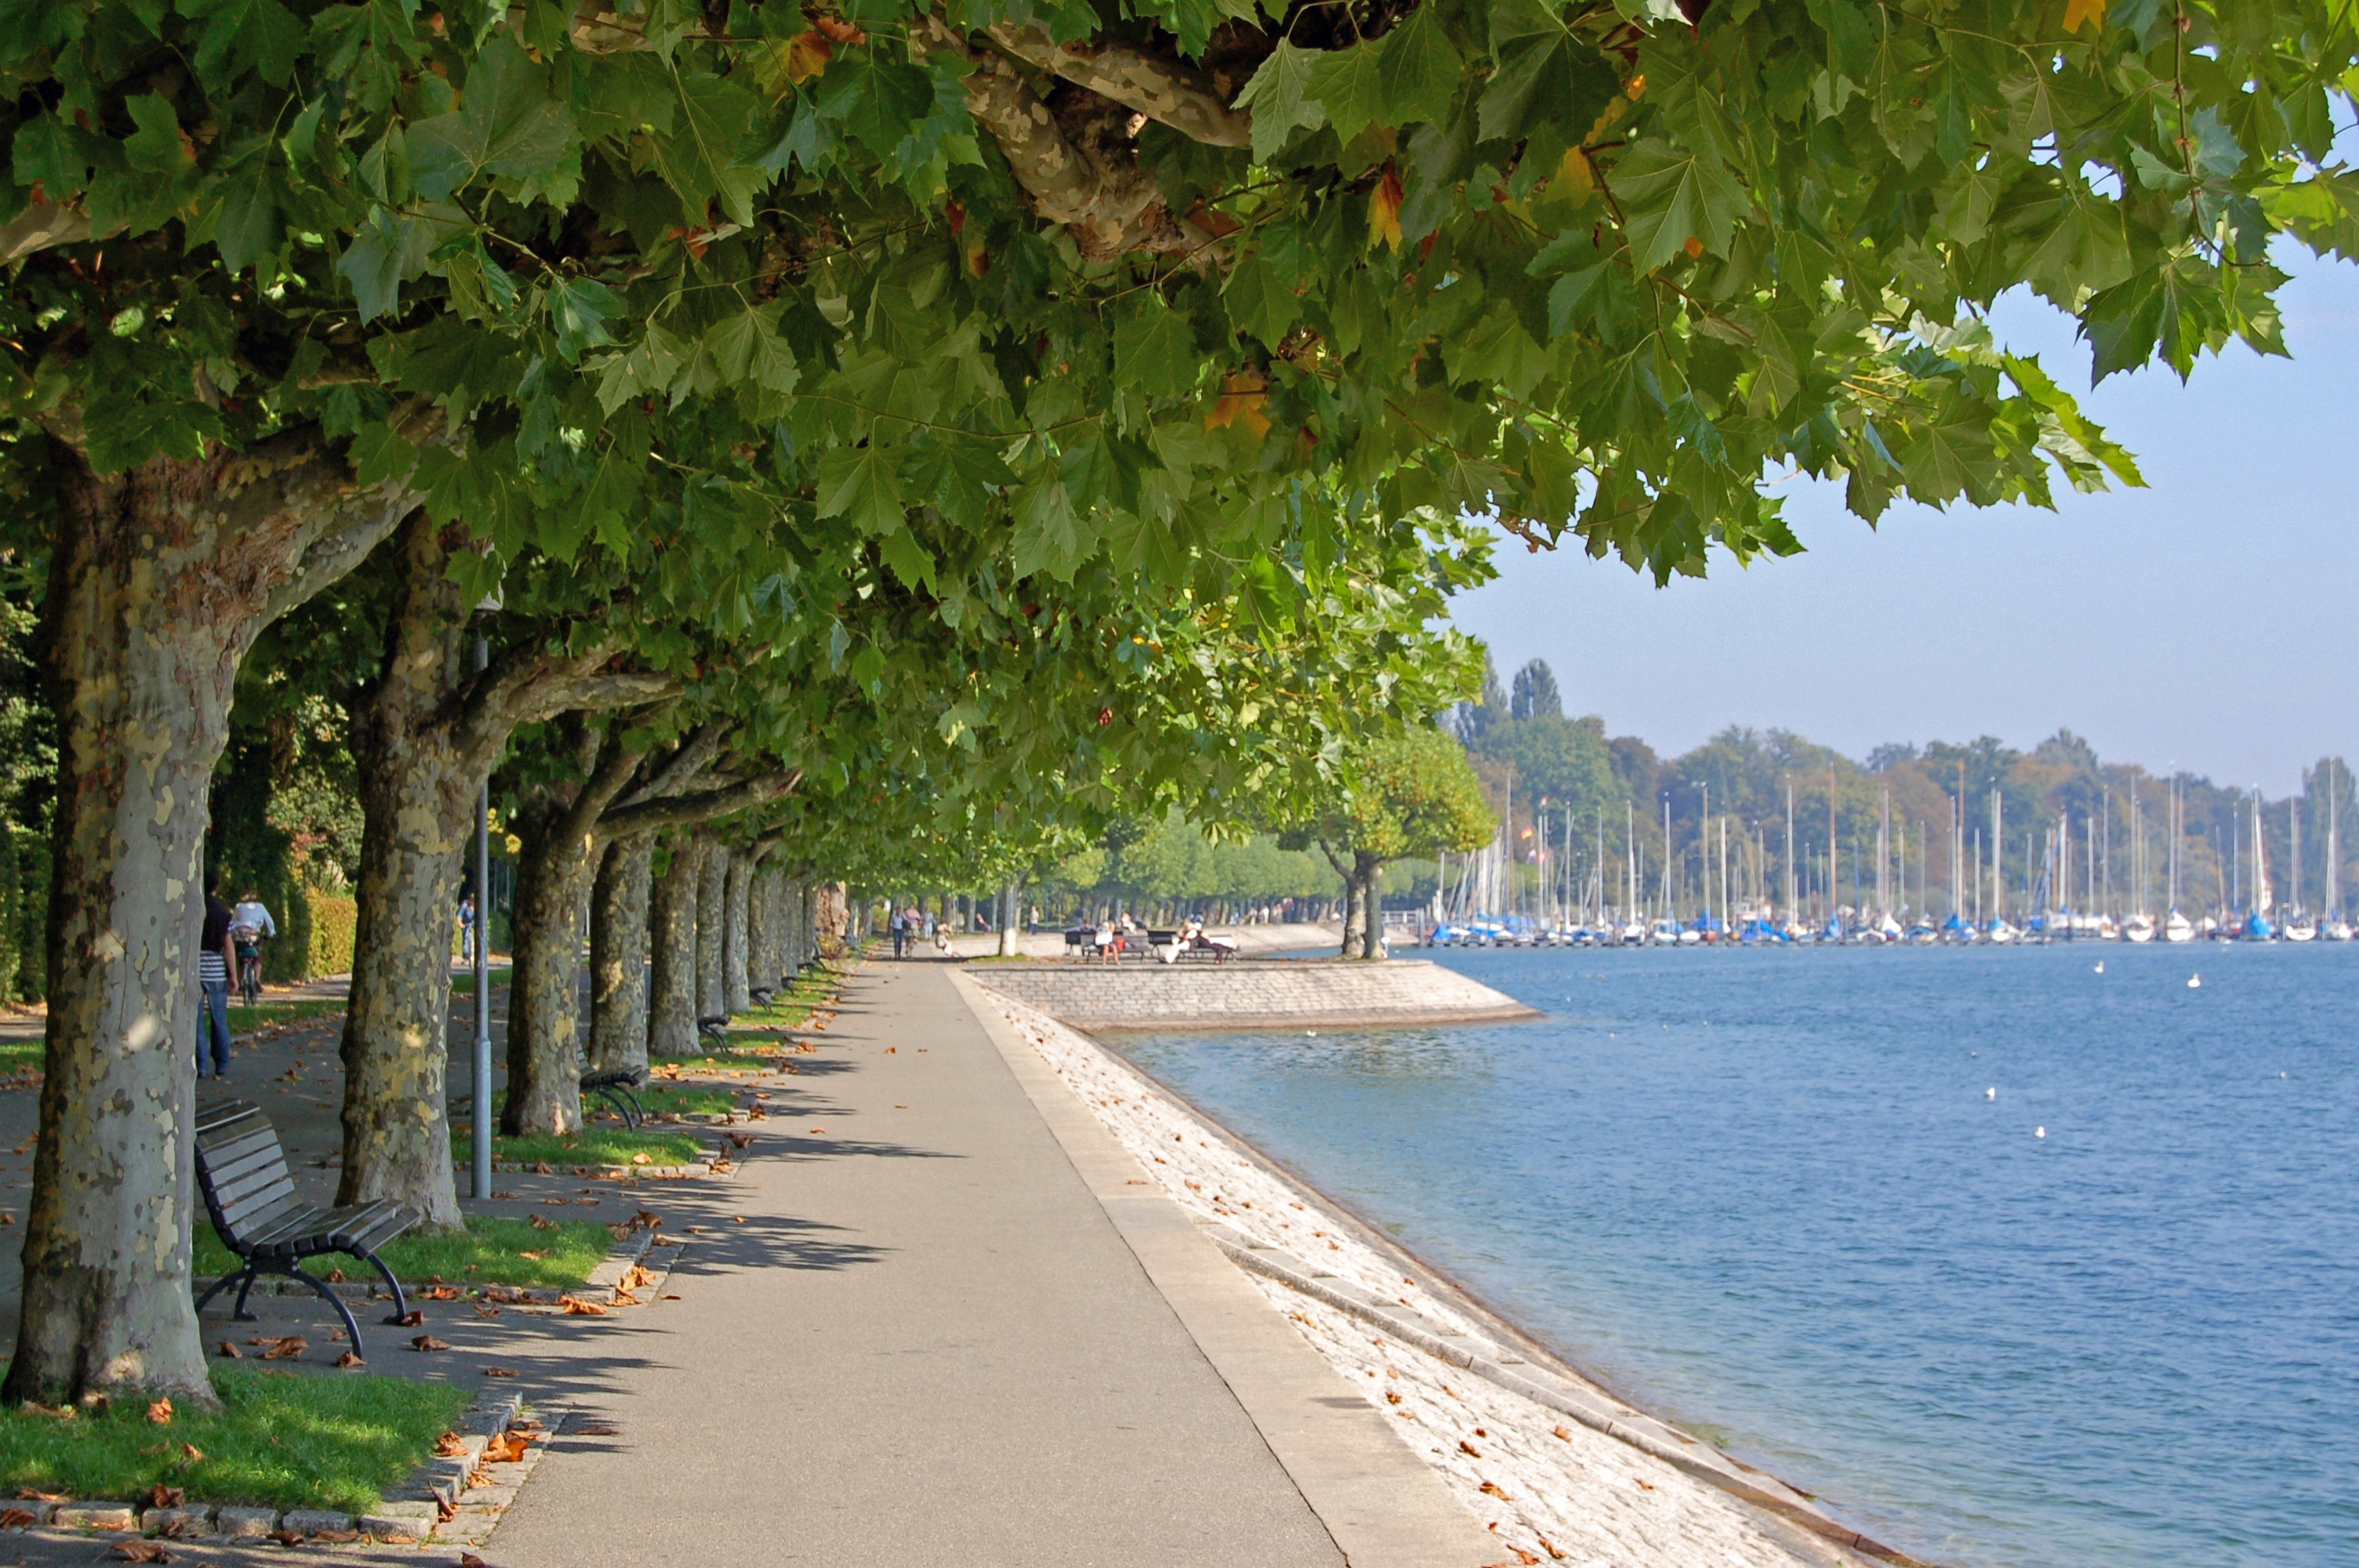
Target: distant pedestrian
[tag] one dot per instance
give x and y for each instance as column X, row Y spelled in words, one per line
column 467, row 929
column 899, row 926
column 215, row 957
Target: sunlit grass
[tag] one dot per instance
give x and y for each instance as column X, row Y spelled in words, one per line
column 281, row 1440
column 493, row 1252
column 592, row 1146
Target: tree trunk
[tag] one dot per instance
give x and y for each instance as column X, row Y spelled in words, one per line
column 618, row 945
column 1007, row 897
column 418, row 796
column 762, row 938
column 737, row 913
column 712, row 925
column 671, row 1006
column 1362, row 896
column 159, row 582
column 544, row 1085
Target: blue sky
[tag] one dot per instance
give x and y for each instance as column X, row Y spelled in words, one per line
column 2204, row 620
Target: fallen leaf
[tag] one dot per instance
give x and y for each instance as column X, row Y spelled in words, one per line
column 536, row 1257
column 671, row 1298
column 192, row 1453
column 499, row 1371
column 1466, row 1447
column 740, row 1140
column 427, row 1342
column 1563, row 1434
column 232, row 1351
column 1491, row 1488
column 1647, row 1484
column 351, row 1358
column 639, row 1159
column 160, row 1413
column 469, row 1560
column 649, row 1218
column 17, row 1519
column 576, row 1307
column 483, row 1311
column 286, row 1347
column 505, row 1449
column 141, row 1552
column 412, row 1320
column 541, row 1222
column 32, row 1495
column 1549, row 1547
column 335, row 1276
column 450, row 1445
column 333, row 1537
column 160, row 1495
column 440, row 1293
column 637, row 1277
column 1392, row 1398
column 736, row 1219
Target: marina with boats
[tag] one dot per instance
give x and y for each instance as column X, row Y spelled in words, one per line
column 1565, row 880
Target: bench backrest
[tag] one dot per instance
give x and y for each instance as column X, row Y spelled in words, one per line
column 241, row 1169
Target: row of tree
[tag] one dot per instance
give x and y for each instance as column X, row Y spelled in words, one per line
column 923, row 434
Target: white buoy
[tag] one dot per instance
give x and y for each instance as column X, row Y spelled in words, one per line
column 2040, row 1132
column 1311, row 1034
column 2101, row 966
column 1990, row 1094
column 2195, row 982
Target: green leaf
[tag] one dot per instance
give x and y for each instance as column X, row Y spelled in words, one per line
column 1669, row 196
column 1497, row 350
column 746, row 347
column 860, row 485
column 1048, row 536
column 379, row 453
column 909, row 560
column 509, row 123
column 1281, row 100
column 243, row 220
column 1419, row 68
column 1155, row 351
column 261, row 36
column 699, row 158
column 1349, row 84
column 157, row 146
column 581, row 307
column 389, row 250
column 44, row 150
column 1260, row 302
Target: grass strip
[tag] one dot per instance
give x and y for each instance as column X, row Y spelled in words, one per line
column 590, row 1146
column 243, row 1018
column 281, row 1438
column 493, row 1252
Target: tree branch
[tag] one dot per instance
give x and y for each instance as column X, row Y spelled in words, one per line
column 686, row 810
column 697, row 750
column 1164, row 90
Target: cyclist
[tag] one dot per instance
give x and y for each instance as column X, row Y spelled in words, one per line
column 249, row 924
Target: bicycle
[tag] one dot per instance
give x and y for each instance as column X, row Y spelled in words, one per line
column 249, row 969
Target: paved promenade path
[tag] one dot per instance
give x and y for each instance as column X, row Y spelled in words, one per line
column 933, row 1342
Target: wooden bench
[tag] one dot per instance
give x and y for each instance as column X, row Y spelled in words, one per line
column 614, row 1085
column 250, row 1196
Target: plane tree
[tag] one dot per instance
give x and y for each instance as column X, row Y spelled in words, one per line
column 1175, row 286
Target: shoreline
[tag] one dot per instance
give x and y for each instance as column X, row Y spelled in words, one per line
column 1619, row 1482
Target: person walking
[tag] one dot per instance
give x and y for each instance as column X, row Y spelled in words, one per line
column 467, row 929
column 899, row 926
column 215, row 957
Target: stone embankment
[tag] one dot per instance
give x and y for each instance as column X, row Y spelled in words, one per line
column 1243, row 994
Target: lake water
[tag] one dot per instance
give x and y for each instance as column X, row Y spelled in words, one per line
column 1769, row 1196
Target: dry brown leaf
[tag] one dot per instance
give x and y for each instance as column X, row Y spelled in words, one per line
column 286, row 1347
column 670, row 1298
column 160, row 1495
column 1468, row 1448
column 640, row 1160
column 17, row 1519
column 192, row 1453
column 541, row 1222
column 506, row 1448
column 1647, row 1484
column 412, row 1320
column 740, row 1140
column 624, row 1298
column 141, row 1552
column 351, row 1358
column 450, row 1445
column 1392, row 1398
column 440, row 1293
column 427, row 1342
column 736, row 1219
column 335, row 1276
column 1549, row 1547
column 1491, row 1488
column 32, row 1495
column 483, row 1311
column 230, row 1351
column 576, row 1307
column 499, row 1371
column 1564, row 1433
column 536, row 1257
column 469, row 1560
column 160, row 1413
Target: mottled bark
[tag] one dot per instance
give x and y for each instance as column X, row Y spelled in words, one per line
column 417, row 787
column 159, row 580
column 762, row 945
column 736, row 933
column 618, row 949
column 671, row 934
column 711, row 923
column 1008, row 897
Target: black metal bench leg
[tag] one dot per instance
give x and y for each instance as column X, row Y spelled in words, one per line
column 241, row 1314
column 400, row 1305
column 351, row 1328
column 223, row 1284
column 636, row 1116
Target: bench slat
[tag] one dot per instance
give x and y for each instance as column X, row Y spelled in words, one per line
column 236, row 1193
column 227, row 1172
column 250, row 1192
column 257, row 1213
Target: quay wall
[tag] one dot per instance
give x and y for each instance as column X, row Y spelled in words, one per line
column 1243, row 994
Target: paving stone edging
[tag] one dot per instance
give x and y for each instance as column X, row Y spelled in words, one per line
column 1640, row 1431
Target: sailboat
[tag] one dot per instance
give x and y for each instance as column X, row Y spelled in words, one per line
column 2299, row 926
column 2176, row 929
column 2257, row 926
column 2337, row 928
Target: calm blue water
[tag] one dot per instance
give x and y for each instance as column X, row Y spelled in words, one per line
column 1766, row 1194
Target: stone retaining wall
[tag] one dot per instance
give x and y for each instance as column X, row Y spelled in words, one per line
column 1248, row 995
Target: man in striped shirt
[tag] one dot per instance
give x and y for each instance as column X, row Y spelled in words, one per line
column 214, row 959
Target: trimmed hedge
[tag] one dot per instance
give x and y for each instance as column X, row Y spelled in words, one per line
column 334, row 922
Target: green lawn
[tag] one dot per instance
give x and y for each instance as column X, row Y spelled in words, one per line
column 789, row 1008
column 656, row 1099
column 492, row 1252
column 16, row 1055
column 281, row 1440
column 243, row 1018
column 592, row 1146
